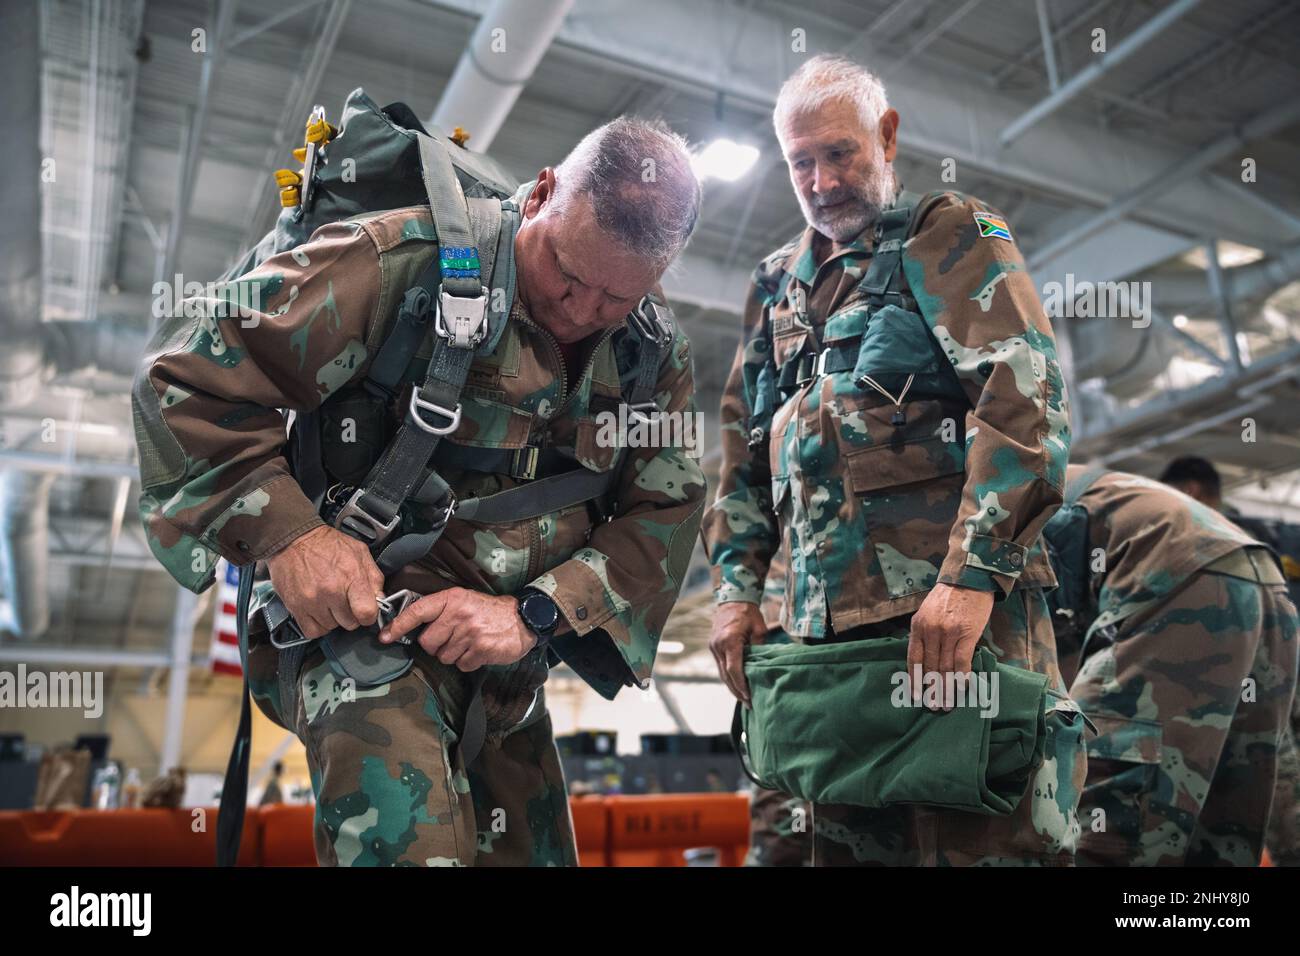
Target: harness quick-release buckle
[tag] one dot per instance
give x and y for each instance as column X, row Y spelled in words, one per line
column 649, row 318
column 819, row 364
column 811, row 367
column 462, row 321
column 523, row 463
column 643, row 412
column 353, row 518
column 417, row 405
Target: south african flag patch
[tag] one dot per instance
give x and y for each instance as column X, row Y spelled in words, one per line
column 992, row 227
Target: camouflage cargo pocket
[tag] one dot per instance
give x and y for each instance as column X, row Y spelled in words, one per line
column 908, row 485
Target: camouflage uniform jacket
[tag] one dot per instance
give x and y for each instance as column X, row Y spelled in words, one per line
column 215, row 480
column 871, row 514
column 1145, row 540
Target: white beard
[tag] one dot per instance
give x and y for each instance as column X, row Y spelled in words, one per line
column 864, row 206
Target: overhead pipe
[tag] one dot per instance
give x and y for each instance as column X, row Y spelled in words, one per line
column 20, row 203
column 24, row 552
column 502, row 54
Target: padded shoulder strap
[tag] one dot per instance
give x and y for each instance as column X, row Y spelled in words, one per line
column 884, row 282
column 457, row 250
column 653, row 321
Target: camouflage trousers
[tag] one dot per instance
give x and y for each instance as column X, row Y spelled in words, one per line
column 779, row 829
column 1283, row 837
column 1044, row 828
column 391, row 787
column 1190, row 701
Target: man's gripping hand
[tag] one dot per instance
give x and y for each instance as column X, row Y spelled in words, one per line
column 327, row 579
column 736, row 625
column 945, row 631
column 466, row 628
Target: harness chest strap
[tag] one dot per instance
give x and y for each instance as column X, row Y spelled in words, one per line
column 884, row 284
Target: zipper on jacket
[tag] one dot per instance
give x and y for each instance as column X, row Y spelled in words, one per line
column 565, row 397
column 555, row 353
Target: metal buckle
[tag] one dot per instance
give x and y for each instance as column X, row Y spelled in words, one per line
column 462, row 321
column 352, row 517
column 819, row 364
column 452, row 415
column 643, row 412
column 648, row 317
column 391, row 605
column 524, row 463
column 292, row 626
column 310, row 164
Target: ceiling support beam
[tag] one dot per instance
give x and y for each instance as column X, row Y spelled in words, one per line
column 1261, row 125
column 195, row 130
column 1086, row 77
column 1219, row 292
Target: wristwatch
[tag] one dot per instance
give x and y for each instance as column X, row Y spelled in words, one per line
column 540, row 614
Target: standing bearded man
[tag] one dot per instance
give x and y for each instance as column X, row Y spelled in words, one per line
column 895, row 425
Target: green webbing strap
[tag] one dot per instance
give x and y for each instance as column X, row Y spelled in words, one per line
column 384, row 378
column 434, row 408
column 234, row 790
column 521, row 463
column 887, row 251
column 653, row 322
column 450, row 218
column 494, row 225
column 883, row 281
column 537, row 498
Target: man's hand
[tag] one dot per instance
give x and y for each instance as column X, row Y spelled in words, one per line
column 466, row 628
column 327, row 579
column 736, row 625
column 945, row 630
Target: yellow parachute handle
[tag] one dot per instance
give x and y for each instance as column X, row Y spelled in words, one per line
column 321, row 131
column 460, row 137
column 289, row 182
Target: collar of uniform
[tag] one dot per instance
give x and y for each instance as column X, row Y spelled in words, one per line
column 522, row 193
column 802, row 263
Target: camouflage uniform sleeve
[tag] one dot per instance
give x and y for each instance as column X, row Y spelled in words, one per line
column 207, row 400
column 740, row 531
column 982, row 307
column 621, row 586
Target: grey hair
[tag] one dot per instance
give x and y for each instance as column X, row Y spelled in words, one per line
column 638, row 175
column 826, row 78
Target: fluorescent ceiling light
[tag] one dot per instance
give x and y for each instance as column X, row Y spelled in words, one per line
column 725, row 159
column 671, row 647
column 1180, row 321
column 1231, row 254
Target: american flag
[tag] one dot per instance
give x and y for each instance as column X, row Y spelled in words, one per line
column 225, row 638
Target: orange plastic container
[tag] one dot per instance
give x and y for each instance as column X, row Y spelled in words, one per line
column 657, row 830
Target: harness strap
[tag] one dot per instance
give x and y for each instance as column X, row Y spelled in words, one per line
column 537, row 498
column 450, row 219
column 234, row 790
column 884, row 284
column 524, row 463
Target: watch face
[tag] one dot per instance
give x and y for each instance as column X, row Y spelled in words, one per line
column 540, row 612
